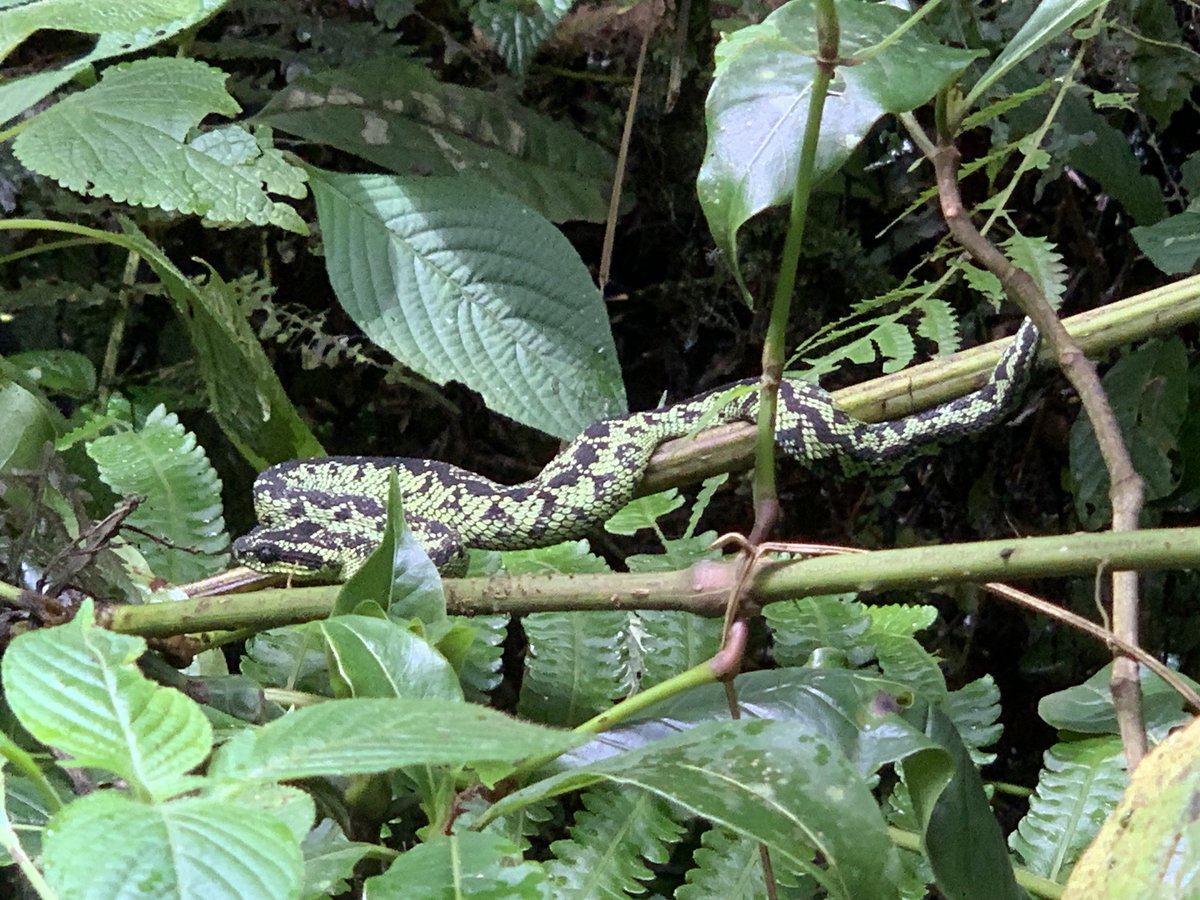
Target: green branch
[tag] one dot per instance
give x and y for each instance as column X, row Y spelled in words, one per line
column 704, row 589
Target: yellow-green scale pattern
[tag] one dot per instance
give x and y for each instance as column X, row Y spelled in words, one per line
column 323, row 517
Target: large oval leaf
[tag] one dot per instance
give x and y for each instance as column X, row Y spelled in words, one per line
column 757, row 109
column 775, row 782
column 463, row 283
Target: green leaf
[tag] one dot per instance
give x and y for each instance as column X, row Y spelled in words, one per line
column 517, row 29
column 567, row 558
column 19, row 20
column 1103, row 152
column 142, row 27
column 163, row 464
column 464, row 284
column 459, row 866
column 1043, row 263
column 576, row 665
column 644, row 512
column 878, row 328
column 853, row 709
column 900, row 618
column 371, row 657
column 397, row 115
column 291, row 658
column 474, row 646
column 1049, row 20
column 77, row 688
column 329, row 861
column 827, row 622
column 59, row 371
column 1088, row 707
column 25, row 807
column 904, row 660
column 354, row 737
column 28, row 425
column 1172, row 244
column 105, row 845
column 774, row 782
column 757, row 108
column 96, row 141
column 398, row 575
column 663, row 643
column 960, row 835
column 1148, row 390
column 611, row 835
column 1149, row 846
column 244, row 392
column 975, row 711
column 1078, row 788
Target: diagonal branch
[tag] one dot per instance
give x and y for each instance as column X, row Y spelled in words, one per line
column 1125, row 490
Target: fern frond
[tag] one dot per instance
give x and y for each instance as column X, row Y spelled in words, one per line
column 975, row 711
column 1079, row 786
column 1042, row 261
column 577, row 665
column 664, row 643
column 479, row 671
column 612, row 835
column 729, row 866
column 180, row 491
column 801, row 627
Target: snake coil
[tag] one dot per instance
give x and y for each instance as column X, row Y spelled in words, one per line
column 323, row 517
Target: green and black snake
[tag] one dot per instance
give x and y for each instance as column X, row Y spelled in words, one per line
column 323, row 517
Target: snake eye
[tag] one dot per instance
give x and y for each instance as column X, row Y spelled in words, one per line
column 267, row 554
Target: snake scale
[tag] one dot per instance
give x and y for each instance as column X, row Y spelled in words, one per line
column 323, row 517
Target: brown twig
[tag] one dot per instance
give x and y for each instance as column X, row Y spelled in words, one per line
column 1126, row 491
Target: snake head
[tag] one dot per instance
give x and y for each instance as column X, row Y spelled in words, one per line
column 283, row 551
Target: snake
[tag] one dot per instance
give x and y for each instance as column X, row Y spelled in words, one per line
column 322, row 517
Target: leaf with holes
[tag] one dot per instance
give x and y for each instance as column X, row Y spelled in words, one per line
column 128, row 138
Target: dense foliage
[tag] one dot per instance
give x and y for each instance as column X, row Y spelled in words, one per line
column 243, row 232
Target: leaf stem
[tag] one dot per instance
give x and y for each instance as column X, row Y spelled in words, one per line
column 12, row 845
column 47, row 247
column 766, row 501
column 108, row 370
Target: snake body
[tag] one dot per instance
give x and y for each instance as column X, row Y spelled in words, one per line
column 322, row 517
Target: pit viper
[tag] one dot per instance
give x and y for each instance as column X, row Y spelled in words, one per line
column 323, row 517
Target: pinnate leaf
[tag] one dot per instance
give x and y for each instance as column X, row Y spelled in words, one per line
column 610, row 837
column 181, row 494
column 77, row 688
column 466, row 284
column 518, row 29
column 128, row 138
column 1078, row 787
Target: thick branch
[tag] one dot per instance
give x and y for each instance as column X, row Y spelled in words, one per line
column 1126, row 485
